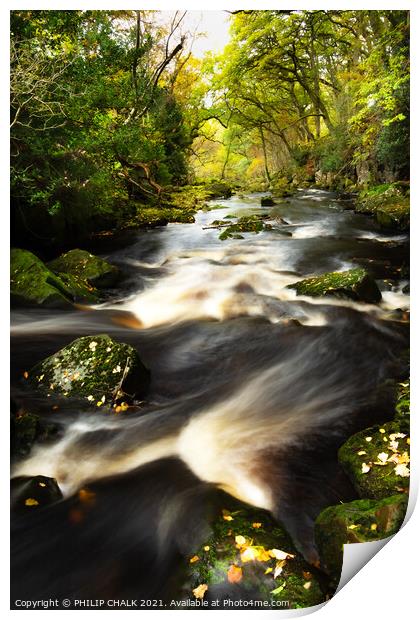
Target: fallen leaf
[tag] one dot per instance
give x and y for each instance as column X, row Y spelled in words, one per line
column 200, row 590
column 269, row 570
column 365, row 468
column 307, row 574
column 257, row 525
column 86, row 496
column 279, row 568
column 362, row 452
column 42, row 484
column 206, row 548
column 234, row 574
column 195, row 558
column 240, row 540
column 383, row 457
column 279, row 589
column 382, row 430
column 26, row 374
column 353, row 526
column 374, row 527
column 249, row 555
column 280, row 555
column 227, row 518
column 368, row 439
column 31, row 502
column 402, row 470
column 307, row 585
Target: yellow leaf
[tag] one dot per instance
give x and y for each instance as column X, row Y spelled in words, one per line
column 279, row 568
column 269, row 570
column 249, row 555
column 365, row 468
column 353, row 526
column 31, row 502
column 227, row 518
column 240, row 540
column 200, row 590
column 257, row 525
column 383, row 457
column 206, row 548
column 42, row 484
column 382, row 430
column 195, row 558
column 361, row 452
column 279, row 589
column 402, row 470
column 234, row 574
column 307, row 585
column 374, row 527
column 368, row 439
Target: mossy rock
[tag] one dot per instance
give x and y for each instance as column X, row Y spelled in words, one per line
column 388, row 203
column 250, row 223
column 402, row 407
column 31, row 282
column 355, row 284
column 97, row 368
column 239, row 559
column 376, row 460
column 363, row 520
column 26, row 429
column 29, row 494
column 87, row 267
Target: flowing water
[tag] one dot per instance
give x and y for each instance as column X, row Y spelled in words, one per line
column 253, row 390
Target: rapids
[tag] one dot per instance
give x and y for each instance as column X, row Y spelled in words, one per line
column 253, row 390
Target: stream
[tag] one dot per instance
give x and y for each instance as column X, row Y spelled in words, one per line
column 253, row 390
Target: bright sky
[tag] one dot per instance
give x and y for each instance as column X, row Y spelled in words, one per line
column 213, row 24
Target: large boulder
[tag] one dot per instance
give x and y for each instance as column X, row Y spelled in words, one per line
column 84, row 265
column 97, row 368
column 249, row 556
column 31, row 282
column 355, row 284
column 377, row 460
column 363, row 520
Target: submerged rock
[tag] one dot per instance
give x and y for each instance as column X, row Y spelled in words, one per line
column 31, row 282
column 377, row 460
column 29, row 494
column 249, row 556
column 355, row 284
column 97, row 368
column 363, row 520
column 82, row 264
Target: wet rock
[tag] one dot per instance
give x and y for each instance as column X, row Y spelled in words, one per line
column 26, row 429
column 355, row 284
column 389, row 204
column 377, row 460
column 31, row 282
column 251, row 223
column 360, row 521
column 249, row 556
column 402, row 407
column 82, row 264
column 29, row 494
column 97, row 368
column 267, row 201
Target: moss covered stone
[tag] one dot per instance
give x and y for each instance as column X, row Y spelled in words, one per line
column 31, row 282
column 94, row 367
column 267, row 201
column 377, row 460
column 31, row 494
column 360, row 521
column 388, row 203
column 26, row 429
column 355, row 284
column 250, row 223
column 249, row 550
column 87, row 267
column 402, row 407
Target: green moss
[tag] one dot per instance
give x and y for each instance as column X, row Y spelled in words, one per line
column 402, row 407
column 388, row 203
column 94, row 367
column 375, row 460
column 26, row 429
column 354, row 284
column 85, row 267
column 32, row 282
column 356, row 522
column 250, row 223
column 261, row 533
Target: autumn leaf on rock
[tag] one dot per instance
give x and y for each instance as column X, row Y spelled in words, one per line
column 200, row 590
column 195, row 558
column 240, row 540
column 280, row 555
column 234, row 574
column 31, row 502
